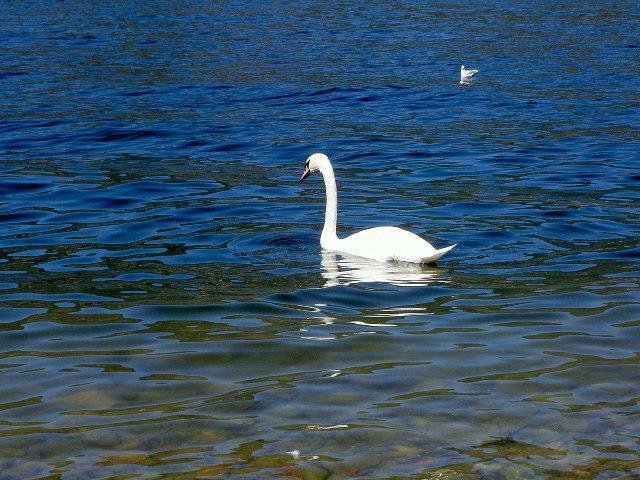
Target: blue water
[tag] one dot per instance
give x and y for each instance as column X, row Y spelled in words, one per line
column 167, row 312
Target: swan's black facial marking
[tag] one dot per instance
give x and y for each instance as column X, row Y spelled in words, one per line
column 306, row 171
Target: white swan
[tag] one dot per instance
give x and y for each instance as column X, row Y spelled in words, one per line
column 379, row 243
column 466, row 74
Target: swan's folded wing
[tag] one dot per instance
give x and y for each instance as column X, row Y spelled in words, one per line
column 390, row 244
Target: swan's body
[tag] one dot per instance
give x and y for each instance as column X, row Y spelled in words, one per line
column 379, row 243
column 466, row 74
column 386, row 244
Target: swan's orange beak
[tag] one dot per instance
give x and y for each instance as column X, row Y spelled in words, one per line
column 306, row 173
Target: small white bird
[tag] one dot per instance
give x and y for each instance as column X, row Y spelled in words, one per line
column 466, row 74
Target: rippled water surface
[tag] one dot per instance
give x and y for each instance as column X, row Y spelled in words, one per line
column 166, row 310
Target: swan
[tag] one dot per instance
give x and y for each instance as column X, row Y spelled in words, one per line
column 383, row 244
column 466, row 74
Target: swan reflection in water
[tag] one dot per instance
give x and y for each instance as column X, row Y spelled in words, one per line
column 342, row 269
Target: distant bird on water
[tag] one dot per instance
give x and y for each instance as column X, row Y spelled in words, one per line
column 466, row 74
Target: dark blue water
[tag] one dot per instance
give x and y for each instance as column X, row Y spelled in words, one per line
column 167, row 311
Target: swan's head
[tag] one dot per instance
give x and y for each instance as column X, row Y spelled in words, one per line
column 315, row 163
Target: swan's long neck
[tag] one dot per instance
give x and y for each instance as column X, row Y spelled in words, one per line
column 331, row 213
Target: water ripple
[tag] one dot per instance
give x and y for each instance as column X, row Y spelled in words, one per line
column 167, row 310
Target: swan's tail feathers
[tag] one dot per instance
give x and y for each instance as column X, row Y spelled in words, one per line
column 431, row 259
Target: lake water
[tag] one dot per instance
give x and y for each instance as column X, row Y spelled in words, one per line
column 166, row 310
